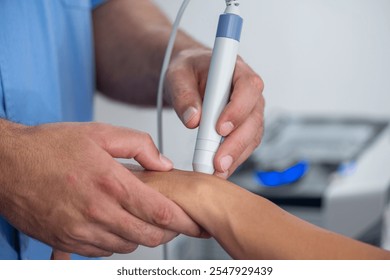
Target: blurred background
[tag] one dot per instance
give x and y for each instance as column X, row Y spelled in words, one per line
column 326, row 67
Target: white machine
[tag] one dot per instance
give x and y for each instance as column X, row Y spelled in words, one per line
column 354, row 204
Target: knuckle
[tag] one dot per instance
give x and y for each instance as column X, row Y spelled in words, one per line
column 241, row 110
column 241, row 146
column 147, row 140
column 237, row 113
column 183, row 96
column 112, row 187
column 77, row 233
column 96, row 127
column 97, row 132
column 163, row 216
column 257, row 83
column 139, row 232
column 72, row 178
column 92, row 212
column 258, row 117
column 155, row 238
column 105, row 179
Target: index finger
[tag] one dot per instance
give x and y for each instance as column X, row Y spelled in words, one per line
column 151, row 206
column 247, row 92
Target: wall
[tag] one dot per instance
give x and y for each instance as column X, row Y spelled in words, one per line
column 315, row 56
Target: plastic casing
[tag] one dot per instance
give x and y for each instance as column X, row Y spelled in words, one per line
column 217, row 91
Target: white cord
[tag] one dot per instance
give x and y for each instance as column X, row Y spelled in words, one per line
column 167, row 59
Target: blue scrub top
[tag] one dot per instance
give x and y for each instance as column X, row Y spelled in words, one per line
column 46, row 75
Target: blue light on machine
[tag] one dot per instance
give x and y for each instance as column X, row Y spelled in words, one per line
column 279, row 178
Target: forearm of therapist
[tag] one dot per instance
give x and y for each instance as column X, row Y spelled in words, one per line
column 130, row 42
column 249, row 226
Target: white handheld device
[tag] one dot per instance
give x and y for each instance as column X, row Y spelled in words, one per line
column 218, row 87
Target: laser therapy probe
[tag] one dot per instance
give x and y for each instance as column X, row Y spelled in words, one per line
column 218, row 85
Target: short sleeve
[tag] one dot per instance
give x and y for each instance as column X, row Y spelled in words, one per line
column 96, row 3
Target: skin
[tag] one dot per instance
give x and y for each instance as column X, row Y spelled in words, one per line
column 249, row 226
column 66, row 172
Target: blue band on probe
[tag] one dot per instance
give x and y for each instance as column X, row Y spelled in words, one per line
column 230, row 26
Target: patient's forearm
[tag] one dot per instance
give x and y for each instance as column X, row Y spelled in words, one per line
column 251, row 227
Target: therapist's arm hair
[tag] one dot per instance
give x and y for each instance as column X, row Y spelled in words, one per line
column 249, row 226
column 130, row 42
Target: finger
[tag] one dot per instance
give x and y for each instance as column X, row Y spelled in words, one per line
column 235, row 164
column 132, row 232
column 151, row 206
column 183, row 88
column 110, row 242
column 85, row 250
column 113, row 243
column 130, row 222
column 135, row 231
column 247, row 92
column 59, row 255
column 239, row 145
column 90, row 251
column 129, row 143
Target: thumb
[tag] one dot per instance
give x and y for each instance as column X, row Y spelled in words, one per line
column 128, row 143
column 182, row 86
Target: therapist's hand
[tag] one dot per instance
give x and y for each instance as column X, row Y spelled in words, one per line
column 60, row 184
column 241, row 123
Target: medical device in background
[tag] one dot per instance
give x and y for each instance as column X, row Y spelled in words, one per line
column 218, row 87
column 330, row 171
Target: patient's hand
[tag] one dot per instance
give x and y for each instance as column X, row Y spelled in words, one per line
column 205, row 198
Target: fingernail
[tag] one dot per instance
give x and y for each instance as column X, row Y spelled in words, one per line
column 226, row 162
column 189, row 114
column 167, row 162
column 226, row 128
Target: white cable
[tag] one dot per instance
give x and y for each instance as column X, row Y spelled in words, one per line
column 167, row 59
